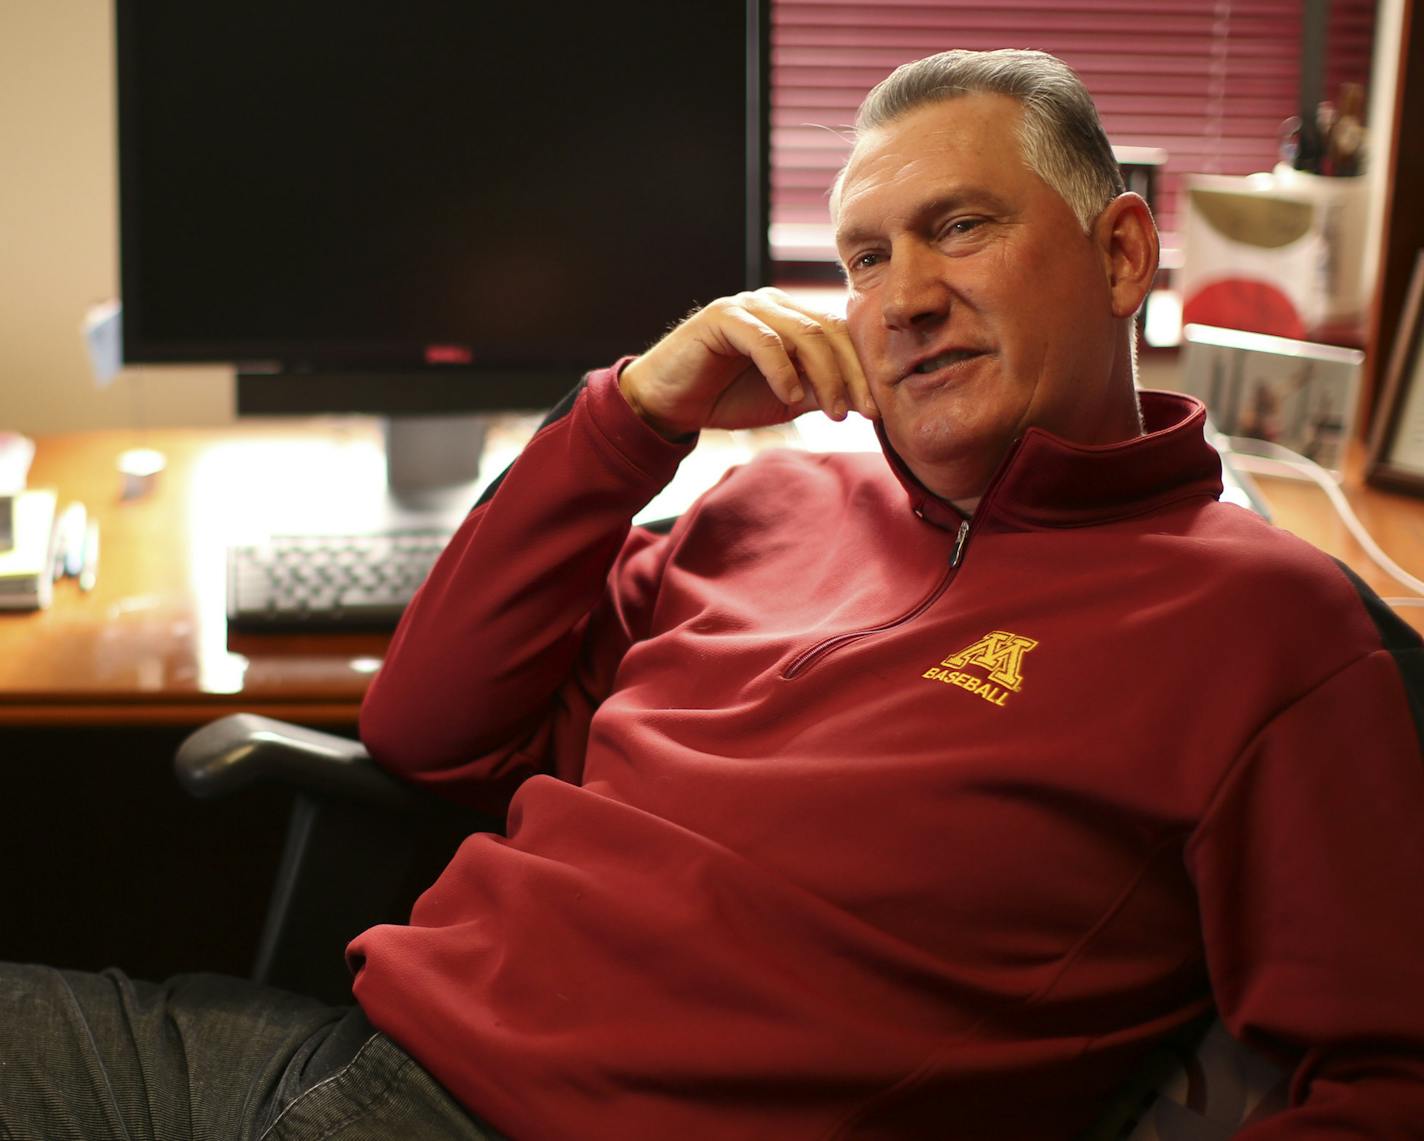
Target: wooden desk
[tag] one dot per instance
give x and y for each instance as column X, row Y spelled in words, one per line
column 149, row 645
column 1395, row 521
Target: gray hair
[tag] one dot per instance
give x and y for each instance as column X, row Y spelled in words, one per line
column 1060, row 135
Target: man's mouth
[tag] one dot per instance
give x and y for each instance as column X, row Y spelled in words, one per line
column 943, row 360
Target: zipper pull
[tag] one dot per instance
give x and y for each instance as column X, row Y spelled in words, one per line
column 959, row 539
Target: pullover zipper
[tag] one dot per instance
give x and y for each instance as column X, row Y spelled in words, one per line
column 959, row 541
column 808, row 658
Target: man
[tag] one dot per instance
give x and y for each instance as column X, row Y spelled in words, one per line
column 913, row 802
column 912, row 799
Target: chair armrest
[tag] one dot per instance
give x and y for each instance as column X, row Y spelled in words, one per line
column 244, row 749
column 360, row 847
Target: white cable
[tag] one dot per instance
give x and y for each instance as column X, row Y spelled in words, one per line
column 1277, row 457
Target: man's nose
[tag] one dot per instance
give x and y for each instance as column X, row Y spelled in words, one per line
column 916, row 293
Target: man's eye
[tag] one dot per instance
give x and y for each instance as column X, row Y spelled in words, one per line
column 961, row 226
column 865, row 261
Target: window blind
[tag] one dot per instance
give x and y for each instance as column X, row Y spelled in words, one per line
column 1208, row 81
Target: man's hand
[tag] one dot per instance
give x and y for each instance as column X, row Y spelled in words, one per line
column 744, row 362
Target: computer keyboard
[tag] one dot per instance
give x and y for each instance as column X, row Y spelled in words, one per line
column 327, row 582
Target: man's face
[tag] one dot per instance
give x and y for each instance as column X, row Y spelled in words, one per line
column 977, row 305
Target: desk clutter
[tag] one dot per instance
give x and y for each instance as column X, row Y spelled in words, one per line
column 26, row 568
column 26, row 523
column 38, row 542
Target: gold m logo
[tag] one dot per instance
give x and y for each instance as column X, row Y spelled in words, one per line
column 999, row 652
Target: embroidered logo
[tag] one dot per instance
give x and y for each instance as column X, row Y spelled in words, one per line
column 999, row 653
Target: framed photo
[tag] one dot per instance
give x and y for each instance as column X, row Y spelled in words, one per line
column 1396, row 452
column 1297, row 394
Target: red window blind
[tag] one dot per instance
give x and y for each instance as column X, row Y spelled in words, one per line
column 1208, row 81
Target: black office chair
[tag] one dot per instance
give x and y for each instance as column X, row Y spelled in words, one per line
column 362, row 845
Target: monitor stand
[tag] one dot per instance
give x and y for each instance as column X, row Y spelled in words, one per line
column 433, row 462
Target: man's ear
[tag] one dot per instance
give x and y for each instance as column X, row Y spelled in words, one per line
column 1127, row 237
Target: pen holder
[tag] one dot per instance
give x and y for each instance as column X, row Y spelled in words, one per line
column 138, row 470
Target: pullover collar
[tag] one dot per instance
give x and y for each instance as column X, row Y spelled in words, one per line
column 1047, row 481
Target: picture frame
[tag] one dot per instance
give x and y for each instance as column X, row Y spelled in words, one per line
column 1394, row 459
column 1298, row 394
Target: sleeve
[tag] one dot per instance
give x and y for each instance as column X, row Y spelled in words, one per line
column 513, row 639
column 1309, row 866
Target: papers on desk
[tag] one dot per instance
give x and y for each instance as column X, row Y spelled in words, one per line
column 26, row 579
column 16, row 452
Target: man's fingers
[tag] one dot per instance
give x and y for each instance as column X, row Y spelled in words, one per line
column 852, row 376
column 820, row 345
column 765, row 346
column 862, row 398
column 756, row 358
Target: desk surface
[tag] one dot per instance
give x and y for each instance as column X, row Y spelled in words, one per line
column 149, row 644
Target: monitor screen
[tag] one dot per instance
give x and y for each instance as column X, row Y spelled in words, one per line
column 432, row 204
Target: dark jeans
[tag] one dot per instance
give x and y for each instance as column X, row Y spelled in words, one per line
column 203, row 1058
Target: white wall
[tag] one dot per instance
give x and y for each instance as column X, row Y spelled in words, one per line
column 58, row 238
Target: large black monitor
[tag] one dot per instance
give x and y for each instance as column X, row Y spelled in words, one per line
column 417, row 207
